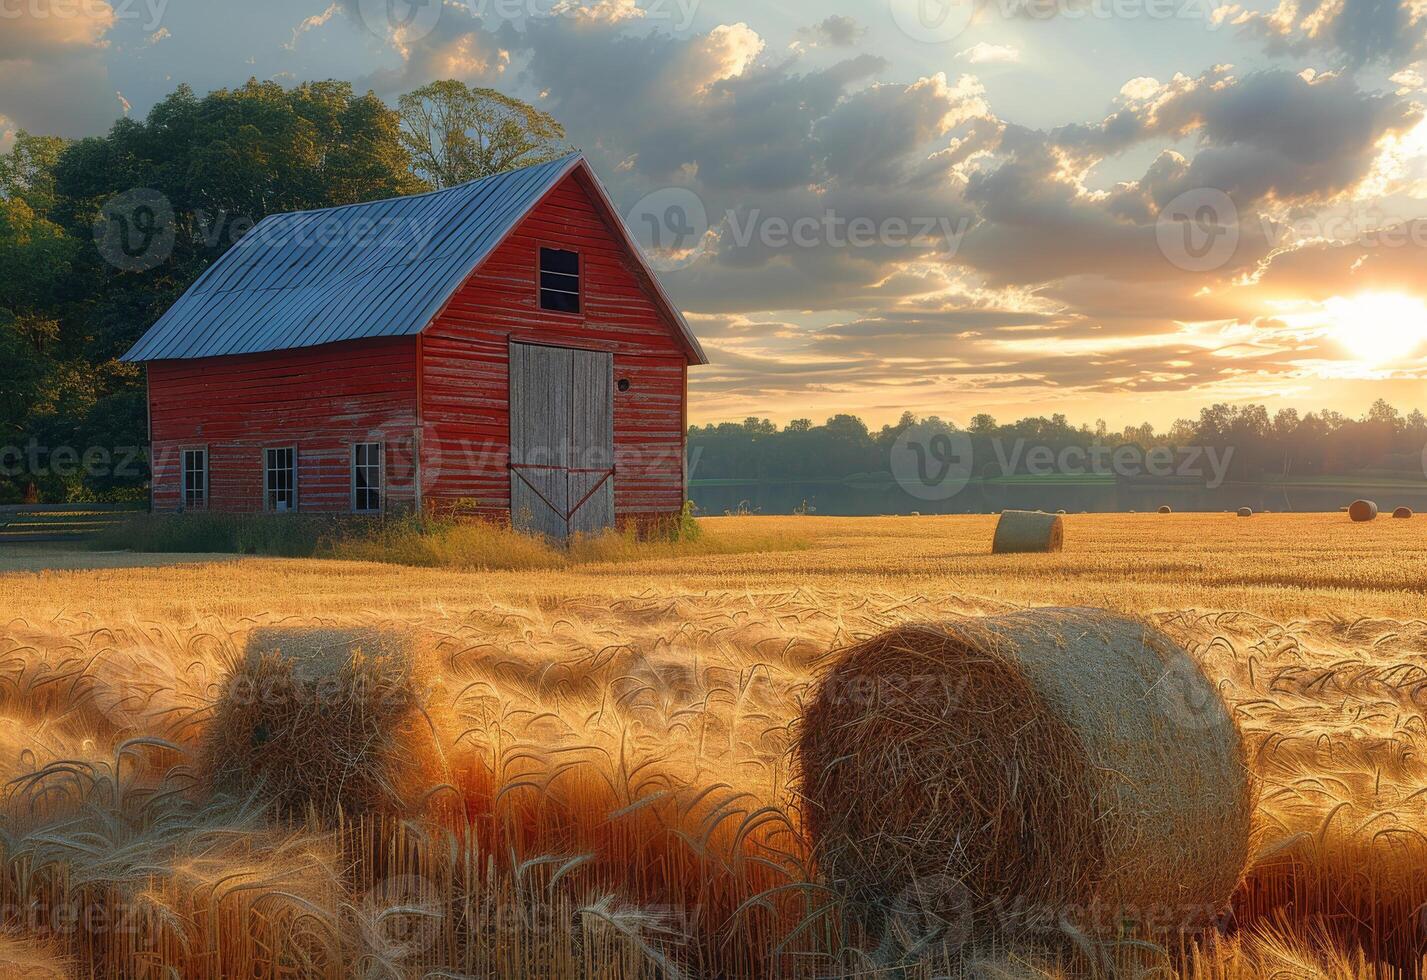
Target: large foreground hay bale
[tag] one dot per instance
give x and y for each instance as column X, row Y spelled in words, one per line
column 1166, row 509
column 1061, row 764
column 1246, row 512
column 324, row 719
column 1028, row 531
column 1363, row 511
column 1402, row 514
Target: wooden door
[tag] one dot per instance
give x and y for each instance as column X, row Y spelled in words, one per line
column 561, row 440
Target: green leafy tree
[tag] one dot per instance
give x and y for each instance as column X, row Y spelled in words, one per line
column 205, row 170
column 456, row 133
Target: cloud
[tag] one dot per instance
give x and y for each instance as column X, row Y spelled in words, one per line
column 837, row 31
column 1408, row 80
column 1359, row 32
column 600, row 11
column 312, row 23
column 868, row 136
column 985, row 54
column 33, row 30
column 52, row 76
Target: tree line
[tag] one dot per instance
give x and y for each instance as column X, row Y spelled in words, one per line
column 1255, row 444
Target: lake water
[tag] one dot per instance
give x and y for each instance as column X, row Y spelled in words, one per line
column 842, row 500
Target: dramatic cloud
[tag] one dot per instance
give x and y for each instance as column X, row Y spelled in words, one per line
column 1392, row 32
column 837, row 31
column 863, row 226
column 52, row 78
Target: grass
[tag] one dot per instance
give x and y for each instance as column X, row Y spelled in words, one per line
column 424, row 543
column 617, row 729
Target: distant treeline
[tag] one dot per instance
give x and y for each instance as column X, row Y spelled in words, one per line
column 1252, row 443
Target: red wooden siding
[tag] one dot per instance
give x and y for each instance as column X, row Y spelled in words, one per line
column 465, row 352
column 319, row 399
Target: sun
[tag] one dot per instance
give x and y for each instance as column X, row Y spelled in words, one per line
column 1378, row 327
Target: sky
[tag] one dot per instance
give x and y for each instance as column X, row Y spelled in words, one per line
column 1116, row 209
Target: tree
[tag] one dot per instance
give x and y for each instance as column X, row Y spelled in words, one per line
column 456, row 133
column 207, row 169
column 27, row 171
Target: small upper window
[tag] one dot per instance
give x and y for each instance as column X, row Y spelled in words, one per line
column 195, row 479
column 280, row 480
column 559, row 280
column 367, row 477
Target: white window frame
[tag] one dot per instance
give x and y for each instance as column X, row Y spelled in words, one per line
column 183, row 472
column 380, row 468
column 269, row 505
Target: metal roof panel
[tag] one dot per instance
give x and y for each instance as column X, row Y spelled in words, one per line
column 378, row 269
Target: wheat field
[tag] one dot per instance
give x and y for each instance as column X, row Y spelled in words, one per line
column 614, row 795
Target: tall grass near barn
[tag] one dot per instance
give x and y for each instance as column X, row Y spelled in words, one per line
column 427, row 542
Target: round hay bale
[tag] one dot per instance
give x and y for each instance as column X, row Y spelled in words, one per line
column 324, row 719
column 1246, row 512
column 1062, row 762
column 1402, row 514
column 1363, row 511
column 1166, row 509
column 1028, row 531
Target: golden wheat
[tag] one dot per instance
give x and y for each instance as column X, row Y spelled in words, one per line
column 616, row 797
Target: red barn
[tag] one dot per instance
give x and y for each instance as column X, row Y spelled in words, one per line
column 499, row 348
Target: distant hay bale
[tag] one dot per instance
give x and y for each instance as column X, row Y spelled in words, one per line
column 1403, row 514
column 1166, row 509
column 1363, row 511
column 1043, row 761
column 1246, row 512
column 1027, row 531
column 324, row 719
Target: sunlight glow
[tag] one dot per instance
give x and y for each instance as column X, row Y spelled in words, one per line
column 1378, row 327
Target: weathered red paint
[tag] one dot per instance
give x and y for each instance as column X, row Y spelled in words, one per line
column 439, row 402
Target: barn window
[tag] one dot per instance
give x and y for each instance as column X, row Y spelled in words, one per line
column 280, row 480
column 367, row 477
column 559, row 280
column 195, row 479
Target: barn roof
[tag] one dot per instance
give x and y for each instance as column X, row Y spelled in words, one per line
column 380, row 269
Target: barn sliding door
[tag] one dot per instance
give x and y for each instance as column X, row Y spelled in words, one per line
column 561, row 440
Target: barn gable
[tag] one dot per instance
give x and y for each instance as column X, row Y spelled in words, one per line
column 382, row 269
